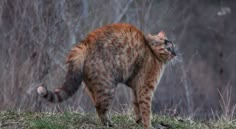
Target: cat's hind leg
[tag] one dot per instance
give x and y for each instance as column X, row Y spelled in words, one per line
column 102, row 93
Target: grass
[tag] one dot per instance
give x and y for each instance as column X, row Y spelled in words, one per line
column 33, row 120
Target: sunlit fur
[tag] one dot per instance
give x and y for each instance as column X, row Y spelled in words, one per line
column 117, row 53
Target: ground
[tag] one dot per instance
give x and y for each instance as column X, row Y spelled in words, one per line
column 72, row 120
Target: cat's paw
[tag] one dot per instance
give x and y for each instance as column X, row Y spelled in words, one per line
column 139, row 121
column 108, row 123
column 161, row 126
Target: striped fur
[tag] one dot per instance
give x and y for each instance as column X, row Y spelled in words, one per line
column 69, row 87
column 117, row 53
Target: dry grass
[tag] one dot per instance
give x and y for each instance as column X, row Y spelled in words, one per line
column 35, row 37
column 90, row 121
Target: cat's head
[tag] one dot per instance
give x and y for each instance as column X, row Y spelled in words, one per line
column 163, row 49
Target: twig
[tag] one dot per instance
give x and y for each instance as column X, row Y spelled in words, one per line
column 123, row 12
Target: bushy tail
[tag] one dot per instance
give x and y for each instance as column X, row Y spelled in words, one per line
column 73, row 78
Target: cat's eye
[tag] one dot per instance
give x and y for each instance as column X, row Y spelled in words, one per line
column 167, row 41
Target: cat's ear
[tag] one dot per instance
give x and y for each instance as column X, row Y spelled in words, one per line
column 161, row 34
column 149, row 37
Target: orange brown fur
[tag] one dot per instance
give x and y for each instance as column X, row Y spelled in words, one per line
column 117, row 53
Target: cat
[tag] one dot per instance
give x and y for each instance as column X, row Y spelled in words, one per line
column 112, row 54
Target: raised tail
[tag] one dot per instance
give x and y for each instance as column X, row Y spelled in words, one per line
column 73, row 78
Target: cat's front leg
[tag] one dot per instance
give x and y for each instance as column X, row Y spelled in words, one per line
column 144, row 101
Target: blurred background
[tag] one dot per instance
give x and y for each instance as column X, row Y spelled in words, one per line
column 36, row 35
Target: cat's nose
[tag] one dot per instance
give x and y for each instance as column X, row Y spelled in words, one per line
column 170, row 47
column 173, row 52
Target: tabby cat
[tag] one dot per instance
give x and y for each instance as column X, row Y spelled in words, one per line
column 112, row 54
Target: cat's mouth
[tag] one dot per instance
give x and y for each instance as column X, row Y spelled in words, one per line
column 170, row 47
